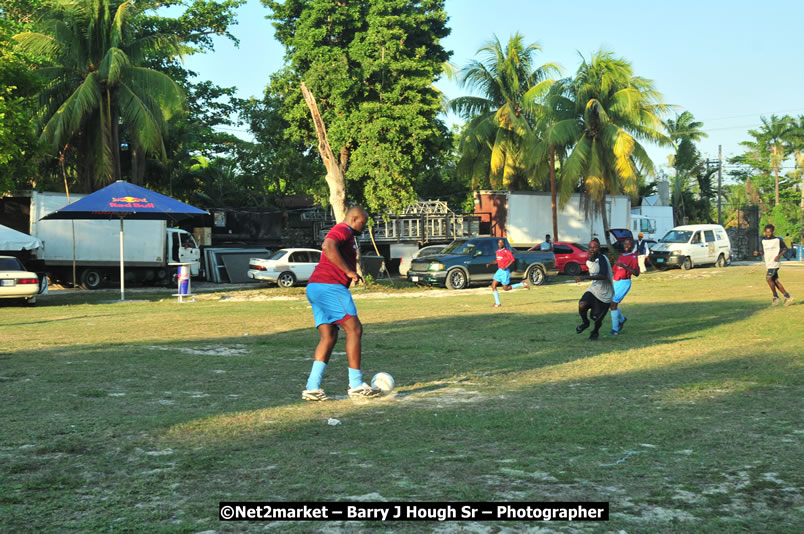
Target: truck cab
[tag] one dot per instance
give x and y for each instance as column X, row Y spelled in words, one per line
column 184, row 249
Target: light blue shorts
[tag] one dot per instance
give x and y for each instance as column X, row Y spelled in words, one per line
column 621, row 288
column 503, row 276
column 332, row 303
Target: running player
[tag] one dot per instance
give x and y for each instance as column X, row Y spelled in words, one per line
column 627, row 265
column 333, row 307
column 505, row 258
column 598, row 297
column 773, row 248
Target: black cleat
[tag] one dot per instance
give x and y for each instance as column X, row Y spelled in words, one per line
column 593, row 336
column 581, row 327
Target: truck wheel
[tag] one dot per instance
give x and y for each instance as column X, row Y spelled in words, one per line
column 572, row 269
column 535, row 276
column 721, row 261
column 91, row 279
column 286, row 279
column 687, row 265
column 456, row 279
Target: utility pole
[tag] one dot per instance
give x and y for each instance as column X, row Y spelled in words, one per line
column 719, row 162
column 719, row 180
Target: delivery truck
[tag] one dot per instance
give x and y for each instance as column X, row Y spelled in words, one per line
column 93, row 245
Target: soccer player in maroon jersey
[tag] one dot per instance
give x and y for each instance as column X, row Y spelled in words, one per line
column 333, row 307
column 505, row 258
column 627, row 265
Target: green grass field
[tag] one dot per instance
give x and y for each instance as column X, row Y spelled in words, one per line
column 143, row 416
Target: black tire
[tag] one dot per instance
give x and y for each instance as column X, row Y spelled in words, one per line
column 286, row 279
column 572, row 269
column 721, row 261
column 92, row 278
column 687, row 264
column 535, row 276
column 457, row 279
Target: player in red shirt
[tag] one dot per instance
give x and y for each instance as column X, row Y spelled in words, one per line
column 627, row 265
column 333, row 307
column 505, row 259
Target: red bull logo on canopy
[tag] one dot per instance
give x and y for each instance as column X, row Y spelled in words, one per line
column 130, row 202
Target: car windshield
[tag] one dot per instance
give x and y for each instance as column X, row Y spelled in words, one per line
column 579, row 246
column 677, row 236
column 459, row 246
column 10, row 264
column 278, row 254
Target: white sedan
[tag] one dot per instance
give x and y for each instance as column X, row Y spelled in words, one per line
column 285, row 267
column 16, row 282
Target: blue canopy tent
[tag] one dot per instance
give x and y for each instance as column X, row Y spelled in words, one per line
column 126, row 201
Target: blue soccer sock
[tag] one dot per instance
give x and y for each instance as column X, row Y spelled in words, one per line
column 517, row 286
column 316, row 374
column 496, row 297
column 355, row 378
column 615, row 320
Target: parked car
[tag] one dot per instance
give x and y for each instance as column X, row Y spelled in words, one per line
column 16, row 282
column 431, row 250
column 691, row 245
column 286, row 267
column 464, row 261
column 570, row 257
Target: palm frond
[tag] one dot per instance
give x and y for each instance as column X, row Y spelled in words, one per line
column 73, row 112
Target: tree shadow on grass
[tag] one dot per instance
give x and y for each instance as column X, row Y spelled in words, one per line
column 205, row 423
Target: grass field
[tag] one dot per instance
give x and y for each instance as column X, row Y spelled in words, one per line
column 143, row 416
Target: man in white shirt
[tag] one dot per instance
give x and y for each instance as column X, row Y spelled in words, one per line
column 773, row 248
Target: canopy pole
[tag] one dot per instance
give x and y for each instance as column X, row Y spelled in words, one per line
column 122, row 255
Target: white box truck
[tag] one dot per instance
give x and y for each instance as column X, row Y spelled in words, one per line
column 149, row 245
column 527, row 216
column 653, row 221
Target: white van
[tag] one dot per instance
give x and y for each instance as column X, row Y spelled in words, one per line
column 691, row 245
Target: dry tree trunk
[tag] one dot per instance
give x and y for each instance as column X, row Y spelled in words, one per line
column 335, row 178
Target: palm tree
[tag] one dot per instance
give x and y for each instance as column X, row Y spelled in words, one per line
column 771, row 137
column 684, row 127
column 493, row 145
column 604, row 112
column 93, row 83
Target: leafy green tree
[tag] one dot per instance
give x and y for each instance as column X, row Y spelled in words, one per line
column 501, row 118
column 370, row 66
column 692, row 183
column 760, row 164
column 610, row 111
column 19, row 150
column 94, row 82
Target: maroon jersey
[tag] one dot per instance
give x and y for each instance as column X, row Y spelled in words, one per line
column 629, row 260
column 504, row 258
column 327, row 272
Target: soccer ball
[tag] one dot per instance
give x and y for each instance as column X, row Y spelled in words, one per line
column 384, row 382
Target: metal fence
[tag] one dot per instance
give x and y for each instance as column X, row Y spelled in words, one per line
column 743, row 232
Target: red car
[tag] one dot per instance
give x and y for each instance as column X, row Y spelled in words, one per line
column 570, row 257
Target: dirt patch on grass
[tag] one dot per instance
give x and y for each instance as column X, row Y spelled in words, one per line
column 206, row 350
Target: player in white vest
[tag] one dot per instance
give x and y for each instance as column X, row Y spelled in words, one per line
column 773, row 248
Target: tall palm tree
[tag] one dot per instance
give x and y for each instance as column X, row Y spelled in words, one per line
column 604, row 112
column 91, row 59
column 771, row 138
column 794, row 139
column 508, row 80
